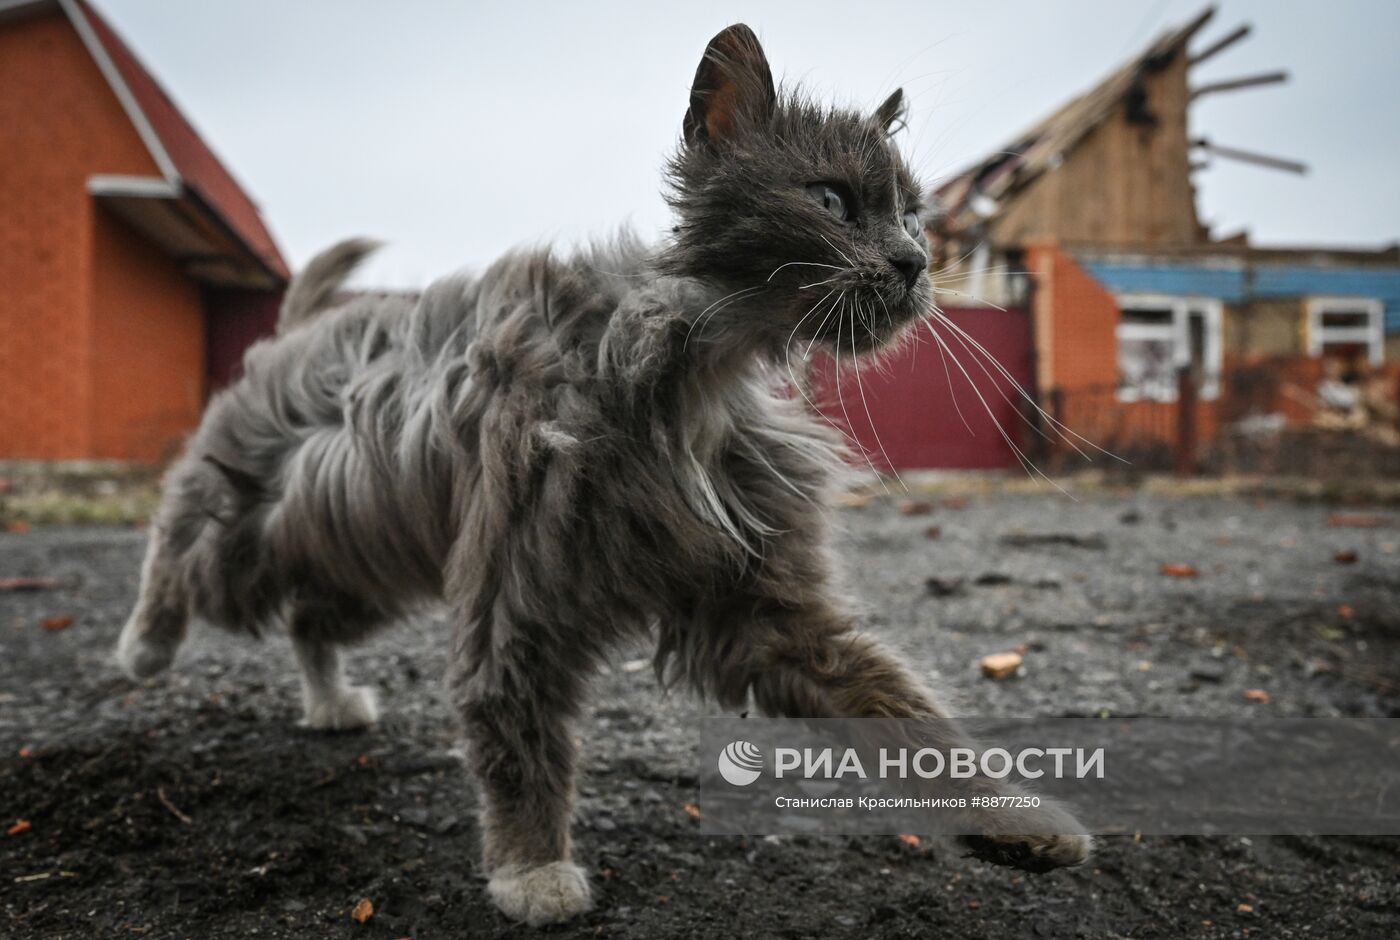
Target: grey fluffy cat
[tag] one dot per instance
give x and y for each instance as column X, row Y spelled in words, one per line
column 569, row 453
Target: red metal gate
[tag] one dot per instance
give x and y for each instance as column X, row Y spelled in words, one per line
column 920, row 411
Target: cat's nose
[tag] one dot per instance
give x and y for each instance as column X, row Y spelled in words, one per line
column 910, row 264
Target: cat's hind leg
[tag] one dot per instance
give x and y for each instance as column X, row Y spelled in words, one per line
column 330, row 702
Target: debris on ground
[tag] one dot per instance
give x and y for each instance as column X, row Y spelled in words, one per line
column 1176, row 569
column 56, row 623
column 362, row 911
column 933, row 532
column 20, row 825
column 1257, row 695
column 27, row 584
column 1001, row 665
column 1092, row 541
column 1208, row 671
column 1346, row 557
column 1355, row 520
column 944, row 587
column 916, row 507
column 992, row 579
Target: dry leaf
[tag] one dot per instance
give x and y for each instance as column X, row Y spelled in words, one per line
column 363, row 911
column 21, row 825
column 54, row 624
column 18, row 527
column 27, row 584
column 1346, row 612
column 1347, row 557
column 1355, row 520
column 1178, row 569
column 26, row 751
column 933, row 532
column 916, row 507
column 692, row 811
column 1257, row 695
column 908, row 839
column 1245, row 909
column 1000, row 665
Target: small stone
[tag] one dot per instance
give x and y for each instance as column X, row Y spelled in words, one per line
column 944, row 587
column 1208, row 671
column 1000, row 665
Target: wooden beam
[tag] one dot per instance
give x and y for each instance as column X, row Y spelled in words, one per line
column 1249, row 156
column 1219, row 46
column 1233, row 84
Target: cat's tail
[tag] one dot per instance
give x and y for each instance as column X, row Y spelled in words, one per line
column 314, row 289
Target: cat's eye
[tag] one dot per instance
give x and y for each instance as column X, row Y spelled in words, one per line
column 913, row 226
column 826, row 196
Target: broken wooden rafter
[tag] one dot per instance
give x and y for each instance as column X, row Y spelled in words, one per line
column 1219, row 46
column 1249, row 156
column 1234, row 84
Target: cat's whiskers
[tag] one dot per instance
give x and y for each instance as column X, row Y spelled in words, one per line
column 813, row 264
column 1026, row 464
column 715, row 308
column 845, row 257
column 860, row 384
column 841, row 398
column 1064, row 430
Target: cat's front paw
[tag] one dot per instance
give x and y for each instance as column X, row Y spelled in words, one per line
column 543, row 894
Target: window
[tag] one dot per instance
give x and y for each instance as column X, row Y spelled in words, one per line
column 1159, row 335
column 1346, row 324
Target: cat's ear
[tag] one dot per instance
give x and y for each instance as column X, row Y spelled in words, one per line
column 733, row 86
column 890, row 115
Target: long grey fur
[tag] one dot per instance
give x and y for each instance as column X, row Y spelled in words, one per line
column 570, row 451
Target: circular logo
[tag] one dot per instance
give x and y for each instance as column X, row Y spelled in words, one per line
column 740, row 763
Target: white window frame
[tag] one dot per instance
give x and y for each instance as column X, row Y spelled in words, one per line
column 1179, row 332
column 1372, row 336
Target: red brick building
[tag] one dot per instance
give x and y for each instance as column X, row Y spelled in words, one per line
column 135, row 267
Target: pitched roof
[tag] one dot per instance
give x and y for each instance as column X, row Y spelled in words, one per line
column 194, row 162
column 219, row 210
column 977, row 192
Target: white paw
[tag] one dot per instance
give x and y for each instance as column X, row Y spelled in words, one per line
column 141, row 657
column 347, row 708
column 546, row 894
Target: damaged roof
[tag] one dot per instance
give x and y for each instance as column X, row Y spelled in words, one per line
column 978, row 192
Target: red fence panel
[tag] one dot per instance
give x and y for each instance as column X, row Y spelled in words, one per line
column 917, row 408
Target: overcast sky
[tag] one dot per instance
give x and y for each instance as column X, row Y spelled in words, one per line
column 455, row 130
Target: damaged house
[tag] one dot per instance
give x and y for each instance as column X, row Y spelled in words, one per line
column 1076, row 256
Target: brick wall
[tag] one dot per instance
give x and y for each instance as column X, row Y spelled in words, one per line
column 62, row 378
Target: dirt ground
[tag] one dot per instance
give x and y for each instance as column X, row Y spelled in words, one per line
column 192, row 805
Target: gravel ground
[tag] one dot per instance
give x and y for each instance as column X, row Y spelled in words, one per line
column 192, row 806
